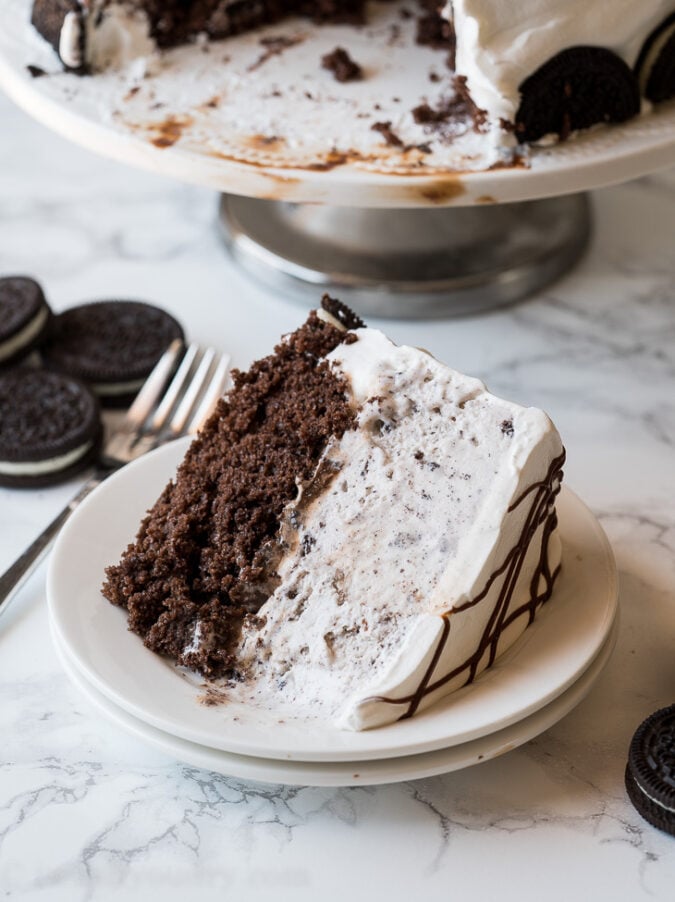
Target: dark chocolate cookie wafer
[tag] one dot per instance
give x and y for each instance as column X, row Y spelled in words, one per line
column 655, row 66
column 650, row 773
column 49, row 18
column 342, row 313
column 110, row 345
column 24, row 318
column 50, row 427
column 575, row 89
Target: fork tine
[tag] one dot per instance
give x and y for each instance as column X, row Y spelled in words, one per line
column 214, row 390
column 119, row 446
column 173, row 392
column 197, row 383
column 151, row 391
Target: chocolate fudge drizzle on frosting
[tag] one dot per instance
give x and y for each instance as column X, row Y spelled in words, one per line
column 541, row 511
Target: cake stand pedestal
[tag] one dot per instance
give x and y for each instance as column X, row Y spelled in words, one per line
column 407, row 263
column 337, row 188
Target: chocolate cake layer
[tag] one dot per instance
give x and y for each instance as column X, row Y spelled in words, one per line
column 174, row 23
column 205, row 554
column 178, row 21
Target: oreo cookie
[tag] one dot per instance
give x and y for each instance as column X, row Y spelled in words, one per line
column 650, row 772
column 342, row 313
column 655, row 66
column 24, row 318
column 575, row 89
column 50, row 427
column 61, row 22
column 110, row 345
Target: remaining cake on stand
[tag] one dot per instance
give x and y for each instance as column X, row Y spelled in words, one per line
column 307, row 163
column 531, row 71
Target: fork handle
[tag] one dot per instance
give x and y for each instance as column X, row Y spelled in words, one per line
column 13, row 578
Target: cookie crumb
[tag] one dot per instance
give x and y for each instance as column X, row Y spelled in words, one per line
column 343, row 67
column 390, row 137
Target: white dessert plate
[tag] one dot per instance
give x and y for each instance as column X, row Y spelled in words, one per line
column 362, row 773
column 265, row 120
column 547, row 660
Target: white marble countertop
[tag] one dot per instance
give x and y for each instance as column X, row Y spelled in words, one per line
column 88, row 813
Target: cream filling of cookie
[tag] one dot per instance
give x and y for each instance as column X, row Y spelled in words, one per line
column 23, row 337
column 651, row 798
column 113, row 389
column 71, row 49
column 41, row 467
column 422, row 511
column 653, row 54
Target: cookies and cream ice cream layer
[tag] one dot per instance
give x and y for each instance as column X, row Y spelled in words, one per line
column 420, row 550
column 500, row 44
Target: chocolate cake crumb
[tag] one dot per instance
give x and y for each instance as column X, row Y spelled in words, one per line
column 274, row 46
column 434, row 31
column 205, row 556
column 424, row 114
column 343, row 67
column 457, row 109
column 390, row 137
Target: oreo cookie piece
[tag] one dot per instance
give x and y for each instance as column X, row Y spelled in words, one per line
column 650, row 772
column 575, row 89
column 50, row 427
column 655, row 66
column 110, row 345
column 341, row 312
column 24, row 318
column 61, row 22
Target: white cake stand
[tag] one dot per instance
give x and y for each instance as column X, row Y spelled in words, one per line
column 316, row 200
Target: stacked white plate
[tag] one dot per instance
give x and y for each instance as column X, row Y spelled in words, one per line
column 539, row 680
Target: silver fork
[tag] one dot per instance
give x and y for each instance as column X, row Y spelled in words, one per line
column 159, row 414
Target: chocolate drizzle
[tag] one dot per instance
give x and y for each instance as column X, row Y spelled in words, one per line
column 541, row 512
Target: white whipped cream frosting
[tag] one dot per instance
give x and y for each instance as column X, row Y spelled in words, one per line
column 499, row 44
column 412, row 526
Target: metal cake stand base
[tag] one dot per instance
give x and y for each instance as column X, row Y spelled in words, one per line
column 407, row 263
